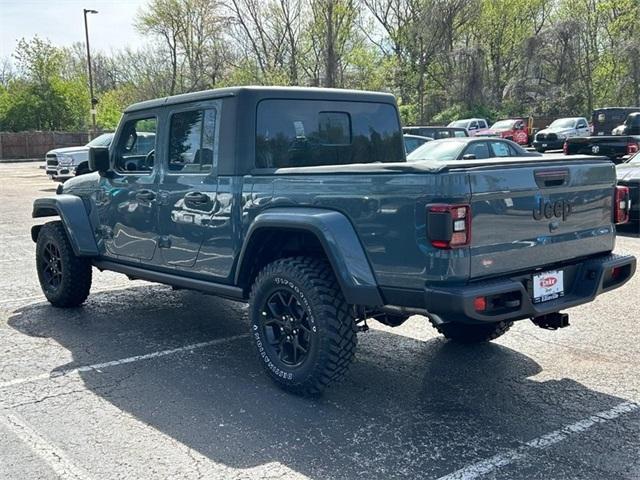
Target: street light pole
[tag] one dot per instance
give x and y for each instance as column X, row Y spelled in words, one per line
column 94, row 101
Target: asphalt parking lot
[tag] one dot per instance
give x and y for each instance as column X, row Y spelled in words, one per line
column 151, row 383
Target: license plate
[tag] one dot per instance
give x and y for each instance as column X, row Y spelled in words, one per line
column 544, row 145
column 548, row 286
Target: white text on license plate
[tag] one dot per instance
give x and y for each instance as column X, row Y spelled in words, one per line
column 548, row 286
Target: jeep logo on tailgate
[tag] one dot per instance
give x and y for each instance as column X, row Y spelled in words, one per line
column 559, row 209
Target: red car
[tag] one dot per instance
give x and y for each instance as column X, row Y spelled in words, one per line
column 515, row 129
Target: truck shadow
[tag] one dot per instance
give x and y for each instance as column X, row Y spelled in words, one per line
column 408, row 408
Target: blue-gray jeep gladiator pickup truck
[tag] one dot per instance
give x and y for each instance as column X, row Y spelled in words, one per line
column 301, row 202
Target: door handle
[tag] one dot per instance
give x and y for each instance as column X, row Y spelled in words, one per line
column 197, row 197
column 145, row 195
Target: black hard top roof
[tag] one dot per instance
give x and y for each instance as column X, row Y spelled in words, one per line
column 300, row 93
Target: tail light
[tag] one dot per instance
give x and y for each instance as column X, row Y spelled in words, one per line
column 449, row 226
column 632, row 148
column 622, row 205
column 565, row 148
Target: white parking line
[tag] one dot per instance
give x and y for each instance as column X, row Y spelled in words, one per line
column 55, row 458
column 483, row 467
column 122, row 361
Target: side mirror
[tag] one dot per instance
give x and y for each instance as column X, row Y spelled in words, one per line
column 469, row 156
column 99, row 159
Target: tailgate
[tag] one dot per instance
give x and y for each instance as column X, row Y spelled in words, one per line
column 532, row 215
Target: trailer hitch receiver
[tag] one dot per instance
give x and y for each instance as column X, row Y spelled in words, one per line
column 552, row 321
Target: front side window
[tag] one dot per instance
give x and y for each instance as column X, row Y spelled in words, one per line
column 191, row 141
column 479, row 149
column 135, row 152
column 297, row 133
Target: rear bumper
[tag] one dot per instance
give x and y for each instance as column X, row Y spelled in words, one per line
column 585, row 281
column 548, row 144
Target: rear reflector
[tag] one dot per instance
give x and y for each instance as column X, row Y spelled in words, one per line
column 616, row 272
column 449, row 226
column 622, row 205
column 480, row 304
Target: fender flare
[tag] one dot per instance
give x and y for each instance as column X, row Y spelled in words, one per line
column 339, row 241
column 75, row 219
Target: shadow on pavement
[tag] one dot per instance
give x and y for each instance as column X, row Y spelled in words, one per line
column 407, row 409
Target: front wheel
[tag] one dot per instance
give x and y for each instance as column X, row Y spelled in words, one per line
column 65, row 278
column 301, row 326
column 472, row 333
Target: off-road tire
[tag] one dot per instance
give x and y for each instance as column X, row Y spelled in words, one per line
column 332, row 344
column 74, row 272
column 467, row 333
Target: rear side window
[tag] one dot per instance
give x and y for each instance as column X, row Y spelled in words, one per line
column 501, row 149
column 296, row 133
column 191, row 141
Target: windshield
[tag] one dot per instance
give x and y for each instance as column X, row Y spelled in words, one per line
column 563, row 123
column 103, row 140
column 503, row 125
column 632, row 119
column 446, row 149
column 459, row 124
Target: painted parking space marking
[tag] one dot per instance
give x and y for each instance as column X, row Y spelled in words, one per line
column 491, row 464
column 137, row 358
column 53, row 456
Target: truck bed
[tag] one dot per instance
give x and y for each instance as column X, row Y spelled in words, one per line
column 612, row 146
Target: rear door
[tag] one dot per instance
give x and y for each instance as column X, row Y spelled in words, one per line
column 537, row 214
column 187, row 194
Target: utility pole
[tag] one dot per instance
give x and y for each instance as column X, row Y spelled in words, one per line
column 94, row 100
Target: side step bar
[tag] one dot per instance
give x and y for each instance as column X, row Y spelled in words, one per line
column 219, row 289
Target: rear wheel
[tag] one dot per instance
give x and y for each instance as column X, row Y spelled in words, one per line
column 301, row 325
column 471, row 333
column 65, row 278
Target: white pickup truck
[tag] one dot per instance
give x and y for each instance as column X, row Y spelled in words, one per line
column 553, row 137
column 62, row 163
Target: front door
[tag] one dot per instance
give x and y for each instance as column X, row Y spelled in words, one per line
column 127, row 198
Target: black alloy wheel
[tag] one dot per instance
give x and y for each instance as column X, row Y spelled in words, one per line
column 286, row 328
column 51, row 267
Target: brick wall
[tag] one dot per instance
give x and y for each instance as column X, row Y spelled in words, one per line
column 36, row 144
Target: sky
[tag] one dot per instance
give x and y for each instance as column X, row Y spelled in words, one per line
column 61, row 21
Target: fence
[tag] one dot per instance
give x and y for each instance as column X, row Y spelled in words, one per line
column 37, row 144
